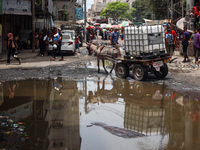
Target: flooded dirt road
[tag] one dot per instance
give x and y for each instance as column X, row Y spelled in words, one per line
column 88, row 113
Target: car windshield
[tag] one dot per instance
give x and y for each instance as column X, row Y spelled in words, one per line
column 70, row 32
column 67, row 36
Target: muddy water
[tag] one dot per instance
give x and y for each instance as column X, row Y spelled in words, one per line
column 96, row 114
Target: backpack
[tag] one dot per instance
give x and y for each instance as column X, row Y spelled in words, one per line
column 170, row 40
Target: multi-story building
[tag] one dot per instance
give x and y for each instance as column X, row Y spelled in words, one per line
column 129, row 2
column 95, row 11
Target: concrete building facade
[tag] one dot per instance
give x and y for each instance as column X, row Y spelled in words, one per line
column 94, row 12
column 69, row 6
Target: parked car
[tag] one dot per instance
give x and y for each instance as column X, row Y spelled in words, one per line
column 72, row 32
column 68, row 44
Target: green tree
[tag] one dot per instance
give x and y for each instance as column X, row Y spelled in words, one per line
column 115, row 10
column 149, row 9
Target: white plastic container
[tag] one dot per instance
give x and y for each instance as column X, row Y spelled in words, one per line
column 144, row 40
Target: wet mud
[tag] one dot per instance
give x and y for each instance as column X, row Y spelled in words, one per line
column 177, row 78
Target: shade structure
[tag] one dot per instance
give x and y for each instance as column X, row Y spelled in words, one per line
column 125, row 24
column 113, row 26
column 118, row 26
column 90, row 27
column 97, row 24
column 102, row 25
column 106, row 26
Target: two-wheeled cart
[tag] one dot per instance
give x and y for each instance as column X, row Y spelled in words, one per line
column 144, row 53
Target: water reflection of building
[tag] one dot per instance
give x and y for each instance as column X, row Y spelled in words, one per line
column 63, row 117
column 38, row 104
column 24, row 101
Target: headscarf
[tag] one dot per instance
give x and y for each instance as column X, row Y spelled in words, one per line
column 10, row 37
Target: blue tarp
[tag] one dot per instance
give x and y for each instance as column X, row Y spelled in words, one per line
column 52, row 24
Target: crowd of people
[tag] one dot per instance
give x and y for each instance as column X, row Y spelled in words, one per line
column 42, row 40
column 104, row 33
column 187, row 38
column 51, row 36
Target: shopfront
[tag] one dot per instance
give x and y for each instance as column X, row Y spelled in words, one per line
column 16, row 18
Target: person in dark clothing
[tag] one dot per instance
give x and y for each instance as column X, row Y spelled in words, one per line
column 57, row 43
column 42, row 43
column 31, row 39
column 12, row 47
column 87, row 35
column 185, row 42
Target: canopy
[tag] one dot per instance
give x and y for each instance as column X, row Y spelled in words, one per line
column 106, row 26
column 97, row 24
column 90, row 27
column 125, row 24
column 113, row 26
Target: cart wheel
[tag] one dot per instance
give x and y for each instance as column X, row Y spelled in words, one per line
column 122, row 70
column 140, row 72
column 163, row 71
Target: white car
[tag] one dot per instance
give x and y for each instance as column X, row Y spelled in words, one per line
column 68, row 44
column 72, row 32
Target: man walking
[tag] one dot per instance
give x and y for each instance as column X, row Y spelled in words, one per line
column 174, row 36
column 169, row 42
column 57, row 43
column 185, row 42
column 197, row 45
column 113, row 40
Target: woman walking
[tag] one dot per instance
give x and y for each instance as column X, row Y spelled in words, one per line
column 12, row 47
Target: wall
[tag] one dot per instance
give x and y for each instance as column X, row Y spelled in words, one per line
column 70, row 9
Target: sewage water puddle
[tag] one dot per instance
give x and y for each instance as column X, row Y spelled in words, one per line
column 96, row 114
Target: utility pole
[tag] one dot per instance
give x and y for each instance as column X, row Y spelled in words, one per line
column 182, row 9
column 33, row 26
column 172, row 12
column 85, row 19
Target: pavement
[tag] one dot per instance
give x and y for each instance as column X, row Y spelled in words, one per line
column 30, row 59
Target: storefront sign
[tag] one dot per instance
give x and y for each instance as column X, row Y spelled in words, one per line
column 17, row 7
column 79, row 13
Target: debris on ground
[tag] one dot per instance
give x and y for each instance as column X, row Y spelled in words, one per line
column 120, row 132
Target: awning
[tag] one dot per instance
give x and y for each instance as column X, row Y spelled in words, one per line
column 180, row 24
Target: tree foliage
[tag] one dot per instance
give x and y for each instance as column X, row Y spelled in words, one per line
column 115, row 10
column 149, row 9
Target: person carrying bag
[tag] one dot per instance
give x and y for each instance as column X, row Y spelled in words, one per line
column 12, row 48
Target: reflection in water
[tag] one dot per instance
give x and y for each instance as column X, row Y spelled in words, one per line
column 55, row 114
column 51, row 118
